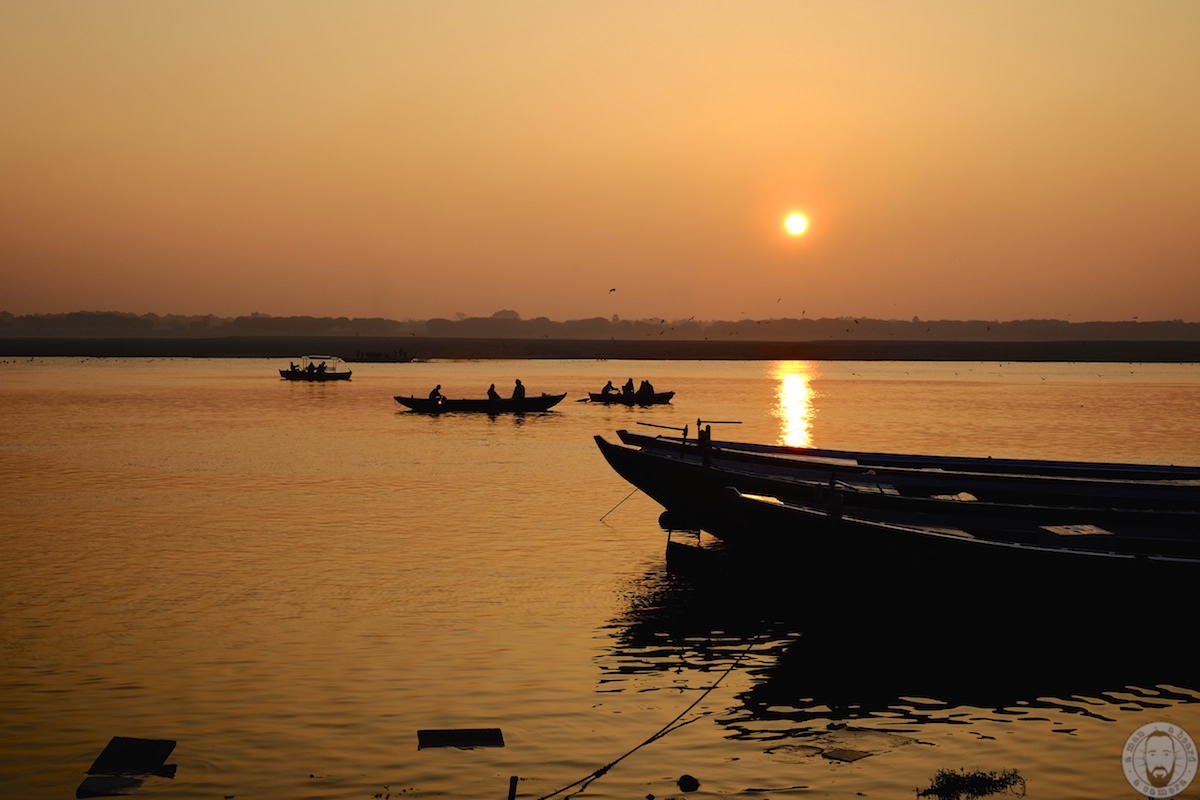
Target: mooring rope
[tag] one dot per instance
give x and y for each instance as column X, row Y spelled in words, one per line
column 618, row 505
column 584, row 782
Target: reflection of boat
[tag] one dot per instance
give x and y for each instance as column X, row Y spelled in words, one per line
column 316, row 368
column 635, row 399
column 835, row 523
column 501, row 406
column 824, row 649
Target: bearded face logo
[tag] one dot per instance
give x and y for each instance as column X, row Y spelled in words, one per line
column 1159, row 759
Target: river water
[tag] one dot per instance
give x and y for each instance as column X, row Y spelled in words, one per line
column 292, row 580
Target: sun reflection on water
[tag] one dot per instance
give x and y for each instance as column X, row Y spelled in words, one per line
column 794, row 403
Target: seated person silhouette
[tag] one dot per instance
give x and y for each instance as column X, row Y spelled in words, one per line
column 518, row 391
column 492, row 393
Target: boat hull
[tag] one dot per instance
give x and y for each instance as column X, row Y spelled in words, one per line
column 524, row 405
column 635, row 399
column 313, row 377
column 1009, row 466
column 817, row 515
column 1145, row 489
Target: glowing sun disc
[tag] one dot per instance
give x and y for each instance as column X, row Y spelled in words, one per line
column 796, row 224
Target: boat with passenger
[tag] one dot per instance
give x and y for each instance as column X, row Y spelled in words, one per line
column 499, row 405
column 316, row 368
column 635, row 399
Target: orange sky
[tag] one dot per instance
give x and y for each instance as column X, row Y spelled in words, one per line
column 993, row 160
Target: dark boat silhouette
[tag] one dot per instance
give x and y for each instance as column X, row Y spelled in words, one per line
column 502, row 405
column 316, row 369
column 834, row 524
column 635, row 399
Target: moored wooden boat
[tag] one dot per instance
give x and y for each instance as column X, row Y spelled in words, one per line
column 1102, row 557
column 502, row 405
column 1011, row 466
column 834, row 527
column 635, row 399
column 316, row 369
column 684, row 486
column 1062, row 483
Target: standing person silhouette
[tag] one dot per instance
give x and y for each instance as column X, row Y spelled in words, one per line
column 518, row 391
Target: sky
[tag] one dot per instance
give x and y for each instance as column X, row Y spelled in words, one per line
column 571, row 159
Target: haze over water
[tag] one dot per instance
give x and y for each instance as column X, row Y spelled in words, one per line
column 291, row 580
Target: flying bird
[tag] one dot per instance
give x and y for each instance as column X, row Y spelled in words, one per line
column 611, row 290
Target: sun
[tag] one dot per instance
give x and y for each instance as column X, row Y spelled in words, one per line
column 796, row 224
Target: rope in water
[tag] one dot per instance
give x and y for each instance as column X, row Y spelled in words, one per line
column 618, row 505
column 584, row 782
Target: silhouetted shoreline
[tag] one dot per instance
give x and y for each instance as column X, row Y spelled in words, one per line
column 425, row 348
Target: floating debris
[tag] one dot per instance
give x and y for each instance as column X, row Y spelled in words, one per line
column 949, row 784
column 122, row 765
column 127, row 756
column 687, row 783
column 463, row 738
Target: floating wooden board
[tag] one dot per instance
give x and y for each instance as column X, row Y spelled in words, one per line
column 128, row 756
column 460, row 737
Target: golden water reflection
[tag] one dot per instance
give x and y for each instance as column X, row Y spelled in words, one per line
column 794, row 402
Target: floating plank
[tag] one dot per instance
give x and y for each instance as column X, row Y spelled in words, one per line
column 128, row 756
column 460, row 737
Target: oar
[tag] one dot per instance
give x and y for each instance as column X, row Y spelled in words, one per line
column 683, row 430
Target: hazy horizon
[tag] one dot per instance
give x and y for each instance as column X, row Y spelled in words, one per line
column 415, row 161
column 508, row 314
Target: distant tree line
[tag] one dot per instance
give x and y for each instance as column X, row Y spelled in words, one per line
column 509, row 325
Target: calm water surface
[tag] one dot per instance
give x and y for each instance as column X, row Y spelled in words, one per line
column 291, row 580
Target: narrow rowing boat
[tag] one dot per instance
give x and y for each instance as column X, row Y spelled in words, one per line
column 503, row 405
column 316, row 369
column 635, row 399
